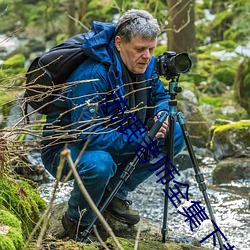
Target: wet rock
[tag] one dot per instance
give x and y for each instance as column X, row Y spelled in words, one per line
column 231, row 169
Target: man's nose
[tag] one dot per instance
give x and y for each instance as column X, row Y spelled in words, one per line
column 146, row 54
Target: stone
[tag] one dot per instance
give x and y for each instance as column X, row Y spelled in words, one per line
column 231, row 169
column 231, row 139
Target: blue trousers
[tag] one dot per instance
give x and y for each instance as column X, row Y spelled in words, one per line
column 100, row 170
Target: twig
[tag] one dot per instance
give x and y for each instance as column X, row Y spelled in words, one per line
column 77, row 21
column 137, row 236
column 66, row 154
column 99, row 238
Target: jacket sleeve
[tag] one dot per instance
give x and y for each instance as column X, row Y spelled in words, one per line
column 88, row 121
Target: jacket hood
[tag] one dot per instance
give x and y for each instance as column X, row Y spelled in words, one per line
column 98, row 43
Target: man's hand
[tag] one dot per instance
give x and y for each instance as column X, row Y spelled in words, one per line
column 164, row 128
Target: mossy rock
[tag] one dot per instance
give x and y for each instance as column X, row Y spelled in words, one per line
column 11, row 237
column 22, row 200
column 219, row 107
column 232, row 139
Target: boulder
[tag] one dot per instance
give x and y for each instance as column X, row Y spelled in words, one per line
column 231, row 169
column 197, row 125
column 230, row 139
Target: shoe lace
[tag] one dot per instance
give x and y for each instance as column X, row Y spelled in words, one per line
column 127, row 203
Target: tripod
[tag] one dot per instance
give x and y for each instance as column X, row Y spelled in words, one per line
column 173, row 90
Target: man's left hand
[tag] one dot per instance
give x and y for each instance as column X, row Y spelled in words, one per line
column 164, row 128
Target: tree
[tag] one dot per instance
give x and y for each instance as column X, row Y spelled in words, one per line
column 181, row 27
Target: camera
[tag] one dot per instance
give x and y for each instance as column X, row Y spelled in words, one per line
column 171, row 65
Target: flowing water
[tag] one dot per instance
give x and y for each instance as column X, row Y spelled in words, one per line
column 230, row 204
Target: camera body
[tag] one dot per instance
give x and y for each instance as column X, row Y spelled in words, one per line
column 171, row 65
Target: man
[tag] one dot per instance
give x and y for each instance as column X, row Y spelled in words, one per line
column 124, row 88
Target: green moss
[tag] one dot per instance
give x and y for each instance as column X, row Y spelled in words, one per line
column 236, row 125
column 16, row 237
column 128, row 244
column 9, row 219
column 21, row 199
column 16, row 61
column 13, row 239
column 6, row 243
column 225, row 75
column 239, row 128
column 212, row 100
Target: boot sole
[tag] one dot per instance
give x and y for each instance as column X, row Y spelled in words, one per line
column 121, row 219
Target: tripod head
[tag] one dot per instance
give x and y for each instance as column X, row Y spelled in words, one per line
column 174, row 89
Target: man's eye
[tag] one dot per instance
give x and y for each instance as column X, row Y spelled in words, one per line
column 139, row 50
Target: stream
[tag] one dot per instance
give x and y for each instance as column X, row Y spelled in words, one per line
column 230, row 203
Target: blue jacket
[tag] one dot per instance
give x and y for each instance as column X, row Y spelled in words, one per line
column 86, row 119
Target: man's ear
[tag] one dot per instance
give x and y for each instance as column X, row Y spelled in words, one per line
column 118, row 42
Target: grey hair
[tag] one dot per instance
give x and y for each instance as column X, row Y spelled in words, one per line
column 137, row 22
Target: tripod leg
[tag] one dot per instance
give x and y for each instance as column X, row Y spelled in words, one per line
column 170, row 155
column 198, row 175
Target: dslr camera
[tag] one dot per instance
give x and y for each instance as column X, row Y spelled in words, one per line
column 171, row 65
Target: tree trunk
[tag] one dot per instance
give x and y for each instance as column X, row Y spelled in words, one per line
column 181, row 27
column 83, row 7
column 71, row 6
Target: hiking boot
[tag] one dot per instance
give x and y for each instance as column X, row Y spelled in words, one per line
column 75, row 231
column 121, row 211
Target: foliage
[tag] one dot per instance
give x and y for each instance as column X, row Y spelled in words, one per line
column 227, row 21
column 242, row 84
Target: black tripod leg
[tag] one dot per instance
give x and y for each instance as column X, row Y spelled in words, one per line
column 198, row 175
column 169, row 155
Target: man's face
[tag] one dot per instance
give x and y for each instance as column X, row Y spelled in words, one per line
column 137, row 53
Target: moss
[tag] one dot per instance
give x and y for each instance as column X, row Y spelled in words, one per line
column 128, row 244
column 6, row 243
column 214, row 101
column 16, row 237
column 225, row 75
column 21, row 199
column 16, row 61
column 234, row 125
column 13, row 239
column 220, row 132
column 242, row 84
column 9, row 219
